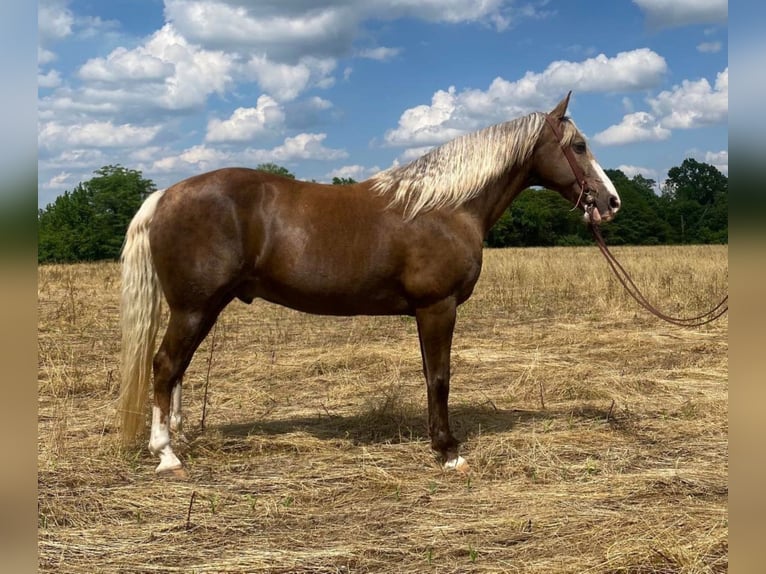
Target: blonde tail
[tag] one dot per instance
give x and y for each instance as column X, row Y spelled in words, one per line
column 139, row 320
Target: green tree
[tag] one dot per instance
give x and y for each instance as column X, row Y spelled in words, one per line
column 343, row 180
column 641, row 219
column 274, row 168
column 696, row 181
column 89, row 222
column 696, row 202
column 538, row 217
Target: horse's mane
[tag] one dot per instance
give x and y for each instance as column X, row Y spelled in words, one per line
column 456, row 172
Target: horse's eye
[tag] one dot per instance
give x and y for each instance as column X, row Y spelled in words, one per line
column 579, row 147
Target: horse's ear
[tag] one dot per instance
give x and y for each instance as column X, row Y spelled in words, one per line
column 561, row 108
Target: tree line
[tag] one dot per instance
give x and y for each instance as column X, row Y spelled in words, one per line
column 89, row 222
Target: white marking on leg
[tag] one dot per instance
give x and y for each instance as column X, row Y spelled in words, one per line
column 176, row 415
column 458, row 463
column 159, row 443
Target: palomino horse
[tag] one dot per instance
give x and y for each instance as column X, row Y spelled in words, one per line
column 407, row 241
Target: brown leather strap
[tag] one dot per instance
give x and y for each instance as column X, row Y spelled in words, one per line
column 630, row 287
column 578, row 173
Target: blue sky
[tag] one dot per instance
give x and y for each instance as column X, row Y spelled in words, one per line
column 349, row 87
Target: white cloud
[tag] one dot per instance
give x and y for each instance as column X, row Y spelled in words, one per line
column 54, row 20
column 166, row 72
column 51, row 79
column 200, row 158
column 380, row 53
column 452, row 11
column 427, row 124
column 694, row 103
column 196, row 159
column 285, row 32
column 61, row 180
column 719, row 159
column 690, row 105
column 635, row 127
column 673, row 13
column 302, row 146
column 633, row 170
column 286, row 81
column 289, row 30
column 709, row 47
column 317, row 103
column 44, row 56
column 356, row 172
column 414, row 153
column 53, row 135
column 628, row 71
column 451, row 113
column 126, row 65
column 247, row 123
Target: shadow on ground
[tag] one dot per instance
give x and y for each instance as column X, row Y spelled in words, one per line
column 409, row 425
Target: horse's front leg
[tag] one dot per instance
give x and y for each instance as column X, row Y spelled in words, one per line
column 435, row 327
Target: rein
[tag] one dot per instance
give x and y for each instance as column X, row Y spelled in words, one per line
column 633, row 291
column 619, row 270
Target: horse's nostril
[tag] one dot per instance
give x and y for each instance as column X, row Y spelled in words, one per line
column 614, row 203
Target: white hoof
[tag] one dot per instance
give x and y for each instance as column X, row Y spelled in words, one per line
column 168, row 461
column 458, row 463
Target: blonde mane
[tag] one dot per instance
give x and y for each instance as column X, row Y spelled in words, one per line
column 456, row 172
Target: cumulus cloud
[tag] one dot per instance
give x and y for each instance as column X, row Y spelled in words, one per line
column 125, row 65
column 694, row 103
column 166, row 72
column 719, row 159
column 633, row 170
column 247, row 123
column 285, row 34
column 94, row 134
column 451, row 113
column 675, row 13
column 355, row 172
column 380, row 53
column 302, row 146
column 50, row 79
column 286, row 81
column 709, row 47
column 691, row 104
column 197, row 158
column 324, row 29
column 54, row 20
column 635, row 127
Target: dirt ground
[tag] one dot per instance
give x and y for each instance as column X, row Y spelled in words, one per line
column 597, row 436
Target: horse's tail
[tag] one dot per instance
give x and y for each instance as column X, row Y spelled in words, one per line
column 139, row 320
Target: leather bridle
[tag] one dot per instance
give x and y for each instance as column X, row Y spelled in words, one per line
column 588, row 204
column 585, row 190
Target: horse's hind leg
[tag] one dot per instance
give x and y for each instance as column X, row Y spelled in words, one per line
column 176, row 412
column 185, row 332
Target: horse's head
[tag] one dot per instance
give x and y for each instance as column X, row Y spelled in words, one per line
column 562, row 160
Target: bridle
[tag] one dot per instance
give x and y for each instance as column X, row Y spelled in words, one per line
column 585, row 190
column 587, row 193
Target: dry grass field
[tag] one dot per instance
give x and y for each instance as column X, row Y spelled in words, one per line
column 597, row 435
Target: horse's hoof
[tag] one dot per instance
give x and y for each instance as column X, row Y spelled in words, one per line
column 176, row 472
column 170, row 465
column 458, row 463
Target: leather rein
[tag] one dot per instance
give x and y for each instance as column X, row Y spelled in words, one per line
column 617, row 268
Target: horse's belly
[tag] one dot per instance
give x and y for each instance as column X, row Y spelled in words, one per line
column 326, row 298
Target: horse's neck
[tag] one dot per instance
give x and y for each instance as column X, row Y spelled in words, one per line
column 490, row 204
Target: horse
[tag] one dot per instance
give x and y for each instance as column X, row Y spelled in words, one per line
column 407, row 241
